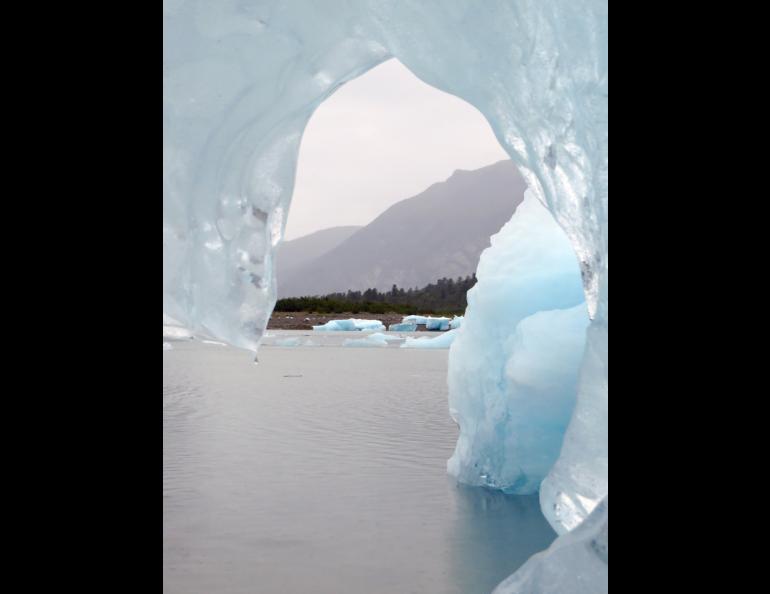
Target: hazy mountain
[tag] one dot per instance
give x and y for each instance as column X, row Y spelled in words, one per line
column 293, row 254
column 438, row 233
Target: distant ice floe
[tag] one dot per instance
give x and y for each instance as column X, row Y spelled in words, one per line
column 429, row 322
column 292, row 341
column 410, row 323
column 352, row 324
column 167, row 346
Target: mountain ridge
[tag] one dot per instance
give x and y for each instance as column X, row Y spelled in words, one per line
column 437, row 233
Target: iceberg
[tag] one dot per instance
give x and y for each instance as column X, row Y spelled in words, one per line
column 241, row 80
column 437, row 324
column 292, row 341
column 443, row 341
column 429, row 322
column 402, row 327
column 518, row 354
column 350, row 325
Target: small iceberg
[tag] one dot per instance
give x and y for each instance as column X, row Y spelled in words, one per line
column 403, row 327
column 349, row 325
column 429, row 322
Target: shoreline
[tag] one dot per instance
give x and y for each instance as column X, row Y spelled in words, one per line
column 302, row 320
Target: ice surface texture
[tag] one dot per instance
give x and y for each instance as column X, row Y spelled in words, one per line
column 402, row 327
column 241, row 80
column 518, row 352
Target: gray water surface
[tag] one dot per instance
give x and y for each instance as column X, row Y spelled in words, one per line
column 323, row 470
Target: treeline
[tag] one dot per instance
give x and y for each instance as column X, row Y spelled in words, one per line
column 445, row 296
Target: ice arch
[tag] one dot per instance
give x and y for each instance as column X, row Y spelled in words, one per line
column 241, row 79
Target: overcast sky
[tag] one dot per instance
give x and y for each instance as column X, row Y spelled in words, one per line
column 379, row 139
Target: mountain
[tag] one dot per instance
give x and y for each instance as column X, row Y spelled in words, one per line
column 294, row 254
column 438, row 233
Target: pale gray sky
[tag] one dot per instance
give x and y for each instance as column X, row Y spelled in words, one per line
column 379, row 139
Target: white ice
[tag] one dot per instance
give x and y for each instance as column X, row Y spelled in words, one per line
column 350, row 325
column 402, row 327
column 430, row 323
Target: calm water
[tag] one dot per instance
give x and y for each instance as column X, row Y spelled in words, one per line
column 323, row 470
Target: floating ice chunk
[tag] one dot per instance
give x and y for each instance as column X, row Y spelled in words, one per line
column 309, row 342
column 513, row 369
column 443, row 341
column 214, row 342
column 437, row 324
column 429, row 322
column 167, row 346
column 575, row 563
column 373, row 340
column 349, row 325
column 456, row 322
column 402, row 327
column 292, row 341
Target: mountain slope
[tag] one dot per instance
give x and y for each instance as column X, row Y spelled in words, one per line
column 438, row 233
column 292, row 255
